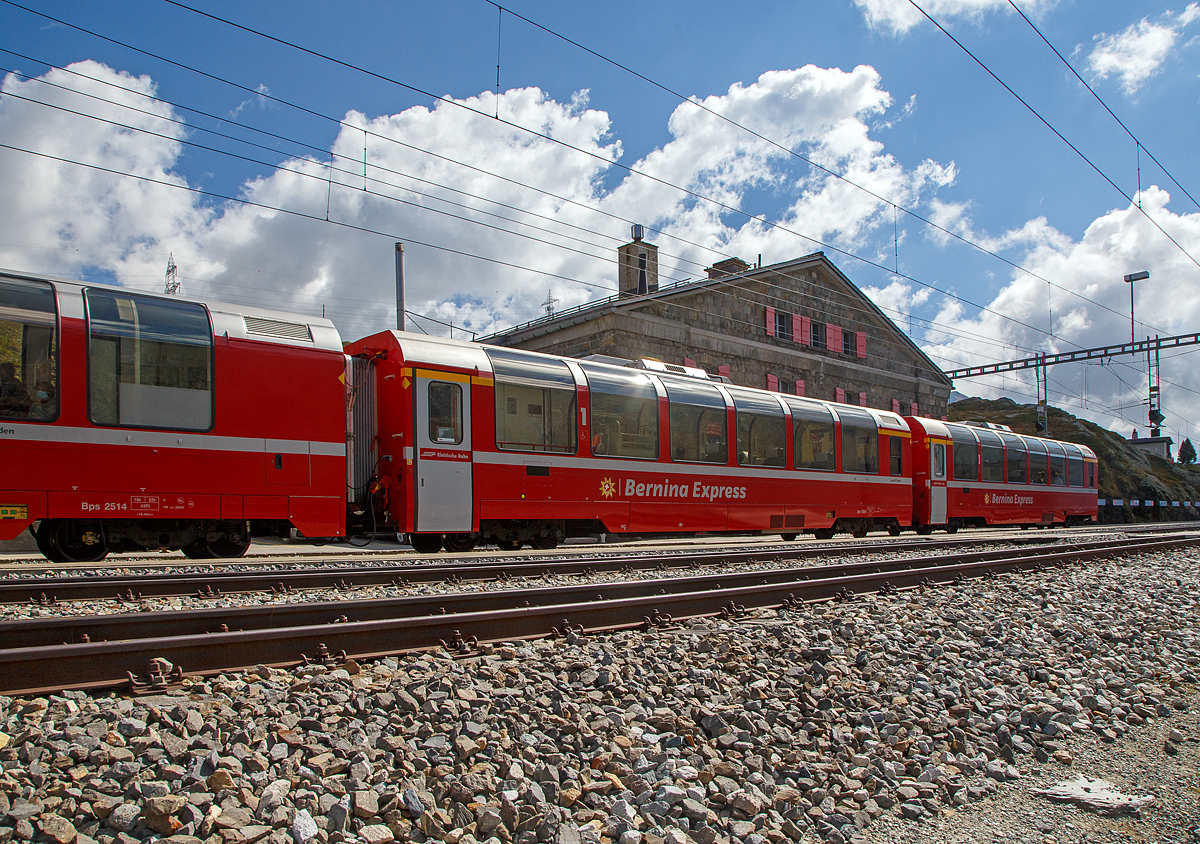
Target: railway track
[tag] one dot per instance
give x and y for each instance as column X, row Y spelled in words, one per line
column 340, row 572
column 151, row 652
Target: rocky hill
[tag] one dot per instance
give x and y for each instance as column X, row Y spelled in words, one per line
column 1125, row 472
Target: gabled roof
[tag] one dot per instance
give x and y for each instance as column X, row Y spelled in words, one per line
column 614, row 304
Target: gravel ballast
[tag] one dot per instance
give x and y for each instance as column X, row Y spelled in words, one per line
column 918, row 716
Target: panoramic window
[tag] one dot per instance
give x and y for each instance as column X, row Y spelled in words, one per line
column 1038, row 472
column 624, row 413
column 965, row 460
column 761, row 429
column 1017, row 459
column 698, row 422
column 149, row 362
column 991, row 449
column 28, row 351
column 1074, row 465
column 535, row 403
column 812, row 440
column 445, row 413
column 1058, row 464
column 860, row 441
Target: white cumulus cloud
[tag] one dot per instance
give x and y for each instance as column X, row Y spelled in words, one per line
column 899, row 16
column 1138, row 52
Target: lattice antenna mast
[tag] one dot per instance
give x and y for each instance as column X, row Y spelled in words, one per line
column 549, row 303
column 171, row 287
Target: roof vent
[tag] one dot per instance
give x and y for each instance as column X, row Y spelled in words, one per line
column 278, row 328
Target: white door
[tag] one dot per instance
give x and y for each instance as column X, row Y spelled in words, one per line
column 443, row 459
column 937, row 485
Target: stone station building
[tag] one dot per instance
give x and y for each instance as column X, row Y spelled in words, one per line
column 799, row 326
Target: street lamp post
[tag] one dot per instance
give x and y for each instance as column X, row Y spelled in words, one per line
column 1131, row 278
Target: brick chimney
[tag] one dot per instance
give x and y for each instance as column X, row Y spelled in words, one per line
column 638, row 273
column 730, row 266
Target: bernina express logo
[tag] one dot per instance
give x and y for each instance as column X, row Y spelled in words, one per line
column 667, row 490
column 994, row 498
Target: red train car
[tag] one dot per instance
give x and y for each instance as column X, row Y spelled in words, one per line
column 971, row 475
column 132, row 421
column 500, row 445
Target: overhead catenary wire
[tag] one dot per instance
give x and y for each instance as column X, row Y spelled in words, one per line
column 267, row 164
column 1141, row 146
column 849, row 255
column 1059, row 134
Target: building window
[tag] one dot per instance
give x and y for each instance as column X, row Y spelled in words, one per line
column 849, row 342
column 783, row 326
column 817, row 334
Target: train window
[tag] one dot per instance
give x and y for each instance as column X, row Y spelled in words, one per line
column 445, row 413
column 535, row 403
column 761, row 429
column 624, row 413
column 860, row 441
column 964, row 460
column 150, row 362
column 28, row 351
column 895, row 454
column 1038, row 473
column 1018, row 458
column 698, row 422
column 991, row 453
column 1058, row 464
column 812, row 440
column 1074, row 465
column 1091, row 467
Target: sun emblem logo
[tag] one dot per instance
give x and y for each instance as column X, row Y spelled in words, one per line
column 986, row 498
column 607, row 488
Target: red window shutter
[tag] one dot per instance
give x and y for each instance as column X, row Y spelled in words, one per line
column 799, row 387
column 689, row 362
column 895, row 405
column 945, row 418
column 772, row 383
column 913, row 409
column 862, row 344
column 833, row 337
column 805, row 337
column 862, row 399
column 770, row 321
column 723, row 370
column 839, row 395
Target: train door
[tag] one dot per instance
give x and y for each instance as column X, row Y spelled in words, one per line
column 443, row 460
column 937, row 483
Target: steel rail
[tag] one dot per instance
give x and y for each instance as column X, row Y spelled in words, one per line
column 144, row 585
column 106, row 664
column 69, row 629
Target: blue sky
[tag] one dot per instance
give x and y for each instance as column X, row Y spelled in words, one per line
column 870, row 89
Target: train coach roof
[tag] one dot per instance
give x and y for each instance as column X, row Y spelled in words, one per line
column 244, row 321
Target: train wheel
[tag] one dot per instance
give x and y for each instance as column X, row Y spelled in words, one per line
column 425, row 543
column 893, row 530
column 924, row 530
column 952, row 528
column 460, row 542
column 229, row 547
column 859, row 530
column 70, row 541
column 823, row 533
column 788, row 537
column 198, row 550
column 545, row 541
column 509, row 544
